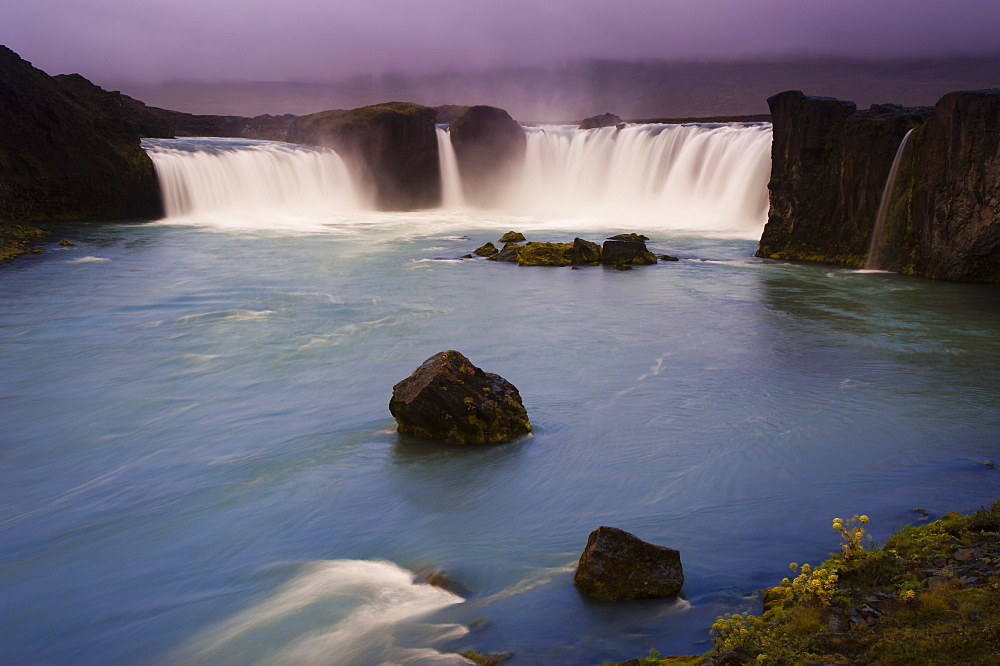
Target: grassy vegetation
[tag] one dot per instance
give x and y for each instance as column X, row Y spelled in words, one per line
column 930, row 595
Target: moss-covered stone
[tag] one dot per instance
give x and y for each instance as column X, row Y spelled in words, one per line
column 17, row 239
column 486, row 250
column 626, row 252
column 449, row 399
column 512, row 237
column 617, row 565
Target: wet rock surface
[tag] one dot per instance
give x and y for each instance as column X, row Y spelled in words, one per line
column 617, row 565
column 448, row 399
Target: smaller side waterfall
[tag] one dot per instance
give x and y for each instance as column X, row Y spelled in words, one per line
column 246, row 178
column 876, row 247
column 451, row 179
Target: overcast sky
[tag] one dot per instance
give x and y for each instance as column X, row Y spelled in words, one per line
column 322, row 40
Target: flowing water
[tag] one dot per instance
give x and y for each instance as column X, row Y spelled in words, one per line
column 876, row 248
column 199, row 465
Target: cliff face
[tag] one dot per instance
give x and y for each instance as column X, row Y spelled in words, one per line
column 946, row 206
column 829, row 168
column 489, row 147
column 64, row 157
column 829, row 164
column 391, row 148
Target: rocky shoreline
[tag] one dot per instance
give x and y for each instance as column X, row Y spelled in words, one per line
column 929, row 595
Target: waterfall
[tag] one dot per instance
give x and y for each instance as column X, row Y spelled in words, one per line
column 451, row 181
column 876, row 249
column 692, row 177
column 250, row 178
column 701, row 178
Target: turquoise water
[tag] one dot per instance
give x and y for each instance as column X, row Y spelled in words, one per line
column 198, row 464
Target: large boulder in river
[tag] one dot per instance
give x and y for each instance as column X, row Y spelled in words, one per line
column 449, row 399
column 617, row 565
column 625, row 252
column 63, row 157
column 490, row 148
column 391, row 148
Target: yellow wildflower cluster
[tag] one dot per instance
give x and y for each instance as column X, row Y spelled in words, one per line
column 731, row 630
column 852, row 534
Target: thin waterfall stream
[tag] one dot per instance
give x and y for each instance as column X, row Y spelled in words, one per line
column 876, row 248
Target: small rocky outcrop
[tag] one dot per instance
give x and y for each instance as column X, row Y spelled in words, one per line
column 64, row 157
column 578, row 253
column 627, row 252
column 490, row 148
column 603, row 120
column 450, row 400
column 617, row 565
column 391, row 147
column 512, row 237
column 486, row 250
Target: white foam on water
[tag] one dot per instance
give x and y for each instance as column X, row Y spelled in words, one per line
column 87, row 260
column 334, row 612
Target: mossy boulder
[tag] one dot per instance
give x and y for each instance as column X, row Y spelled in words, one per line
column 510, row 252
column 450, row 400
column 617, row 565
column 626, row 252
column 391, row 148
column 65, row 157
column 486, row 250
column 490, row 148
column 513, row 237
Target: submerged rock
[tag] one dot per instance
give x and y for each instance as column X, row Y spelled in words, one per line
column 449, row 399
column 617, row 252
column 603, row 120
column 487, row 250
column 510, row 252
column 579, row 252
column 617, row 565
column 512, row 237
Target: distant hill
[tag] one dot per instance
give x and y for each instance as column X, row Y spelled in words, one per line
column 654, row 89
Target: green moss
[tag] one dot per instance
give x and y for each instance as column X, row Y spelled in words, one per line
column 16, row 240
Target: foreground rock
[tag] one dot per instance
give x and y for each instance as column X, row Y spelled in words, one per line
column 617, row 565
column 449, row 399
column 490, row 148
column 63, row 157
column 391, row 147
column 829, row 165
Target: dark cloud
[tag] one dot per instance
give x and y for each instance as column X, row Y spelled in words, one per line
column 326, row 40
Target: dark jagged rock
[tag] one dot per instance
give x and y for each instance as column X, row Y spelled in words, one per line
column 490, row 148
column 629, row 237
column 512, row 237
column 623, row 267
column 617, row 565
column 585, row 252
column 449, row 399
column 829, row 168
column 510, row 252
column 485, row 658
column 603, row 120
column 617, row 252
column 667, row 257
column 487, row 250
column 63, row 157
column 392, row 147
column 445, row 581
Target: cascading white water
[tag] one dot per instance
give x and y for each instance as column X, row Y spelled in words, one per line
column 702, row 178
column 248, row 178
column 695, row 177
column 876, row 259
column 451, row 180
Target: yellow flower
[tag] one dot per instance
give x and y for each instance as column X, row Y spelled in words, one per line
column 863, row 519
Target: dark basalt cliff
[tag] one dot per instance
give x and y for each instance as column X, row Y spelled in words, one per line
column 489, row 147
column 391, row 147
column 829, row 165
column 65, row 157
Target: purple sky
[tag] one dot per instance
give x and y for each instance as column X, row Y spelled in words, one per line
column 323, row 40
